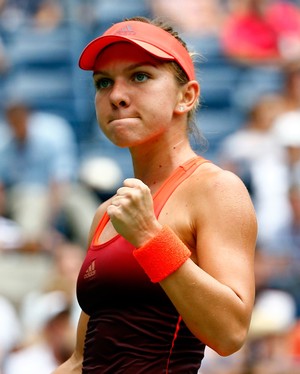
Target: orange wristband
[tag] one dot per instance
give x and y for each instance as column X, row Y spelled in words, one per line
column 162, row 255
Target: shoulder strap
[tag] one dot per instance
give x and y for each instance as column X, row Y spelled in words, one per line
column 175, row 179
column 103, row 221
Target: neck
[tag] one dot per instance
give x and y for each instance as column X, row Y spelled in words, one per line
column 154, row 165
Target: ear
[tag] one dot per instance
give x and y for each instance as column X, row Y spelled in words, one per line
column 188, row 97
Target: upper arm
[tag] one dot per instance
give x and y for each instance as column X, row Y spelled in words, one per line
column 80, row 337
column 226, row 234
column 74, row 364
column 84, row 318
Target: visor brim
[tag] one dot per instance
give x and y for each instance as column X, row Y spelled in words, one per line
column 92, row 50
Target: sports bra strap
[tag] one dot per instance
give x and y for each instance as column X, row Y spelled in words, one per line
column 175, row 179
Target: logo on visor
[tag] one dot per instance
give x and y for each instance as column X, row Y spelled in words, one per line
column 126, row 30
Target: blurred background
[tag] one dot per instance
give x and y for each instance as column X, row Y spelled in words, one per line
column 56, row 166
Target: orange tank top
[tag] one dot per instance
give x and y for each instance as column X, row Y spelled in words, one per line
column 133, row 326
column 164, row 192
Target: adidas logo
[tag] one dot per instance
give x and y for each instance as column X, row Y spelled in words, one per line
column 126, row 30
column 90, row 271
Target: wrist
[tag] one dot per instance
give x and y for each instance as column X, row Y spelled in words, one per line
column 162, row 255
column 146, row 236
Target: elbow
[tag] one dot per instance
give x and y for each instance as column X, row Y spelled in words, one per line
column 232, row 335
column 233, row 342
column 229, row 349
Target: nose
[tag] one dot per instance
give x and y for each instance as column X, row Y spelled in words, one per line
column 119, row 95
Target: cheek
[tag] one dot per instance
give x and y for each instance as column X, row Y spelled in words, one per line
column 99, row 108
column 164, row 92
column 160, row 118
column 165, row 108
column 165, row 101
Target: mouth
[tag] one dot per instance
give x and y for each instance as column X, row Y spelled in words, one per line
column 122, row 120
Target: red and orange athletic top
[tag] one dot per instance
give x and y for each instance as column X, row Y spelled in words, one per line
column 133, row 326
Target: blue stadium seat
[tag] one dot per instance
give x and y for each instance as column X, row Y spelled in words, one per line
column 108, row 12
column 253, row 82
column 206, row 46
column 43, row 90
column 44, row 70
column 217, row 82
column 216, row 124
column 32, row 48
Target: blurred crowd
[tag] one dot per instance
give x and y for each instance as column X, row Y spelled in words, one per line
column 56, row 167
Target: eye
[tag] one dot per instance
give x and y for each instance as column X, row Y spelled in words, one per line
column 102, row 83
column 140, row 77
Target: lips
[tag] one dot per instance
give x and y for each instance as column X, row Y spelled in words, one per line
column 122, row 118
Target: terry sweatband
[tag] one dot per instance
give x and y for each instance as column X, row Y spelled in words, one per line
column 162, row 255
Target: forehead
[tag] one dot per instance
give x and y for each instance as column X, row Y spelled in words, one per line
column 124, row 52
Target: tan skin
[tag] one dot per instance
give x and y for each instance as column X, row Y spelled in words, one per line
column 213, row 290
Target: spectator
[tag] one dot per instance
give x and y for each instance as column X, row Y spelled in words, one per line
column 53, row 341
column 67, row 261
column 44, row 14
column 286, row 240
column 11, row 236
column 216, row 364
column 4, row 61
column 253, row 153
column 291, row 89
column 257, row 32
column 199, row 17
column 10, row 328
column 270, row 348
column 287, row 132
column 38, row 176
column 294, row 342
column 279, row 257
column 48, row 15
column 32, row 173
column 273, row 320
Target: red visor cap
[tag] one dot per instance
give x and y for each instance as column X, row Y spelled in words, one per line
column 152, row 39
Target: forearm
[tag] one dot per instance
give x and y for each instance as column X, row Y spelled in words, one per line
column 211, row 310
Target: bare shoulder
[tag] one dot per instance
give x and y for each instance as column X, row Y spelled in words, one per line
column 220, row 192
column 214, row 181
column 102, row 209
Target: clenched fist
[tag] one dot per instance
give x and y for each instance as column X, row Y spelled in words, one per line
column 131, row 212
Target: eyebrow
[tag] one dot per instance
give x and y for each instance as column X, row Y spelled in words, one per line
column 129, row 68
